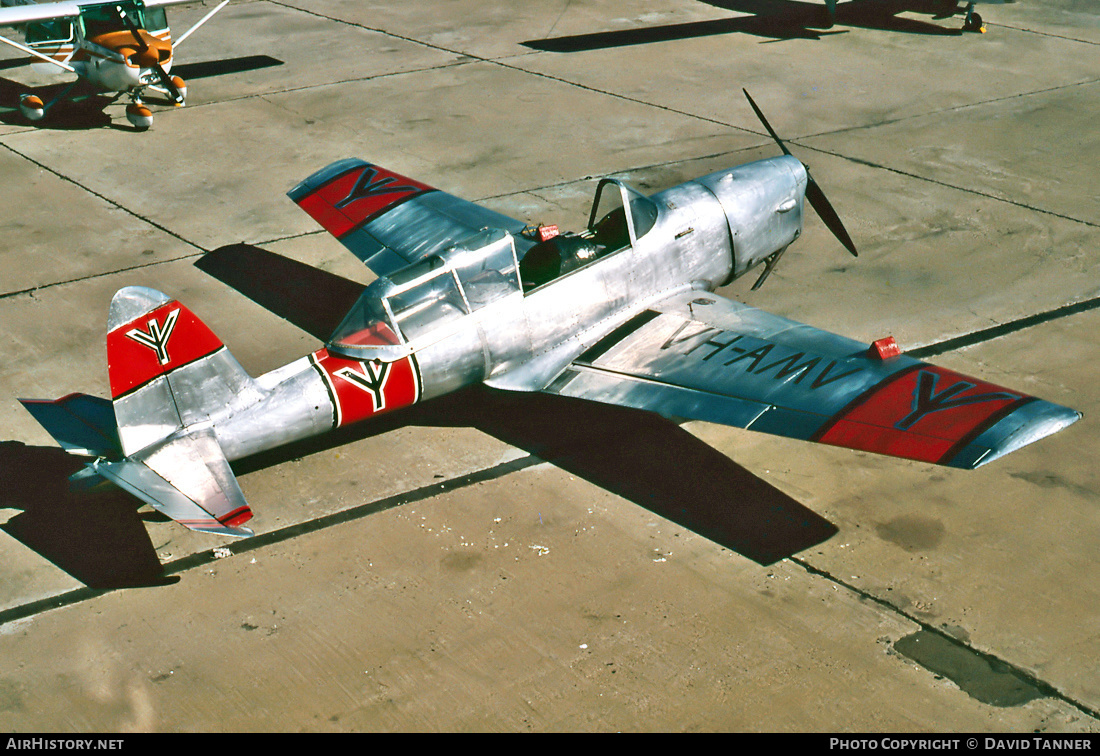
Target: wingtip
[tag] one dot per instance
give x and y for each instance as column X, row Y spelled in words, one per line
column 1045, row 419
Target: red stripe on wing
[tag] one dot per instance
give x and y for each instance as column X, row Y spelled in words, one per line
column 357, row 196
column 920, row 414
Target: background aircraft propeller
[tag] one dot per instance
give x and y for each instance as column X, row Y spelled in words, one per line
column 817, row 198
column 165, row 79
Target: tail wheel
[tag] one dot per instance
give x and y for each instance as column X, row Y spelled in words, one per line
column 139, row 116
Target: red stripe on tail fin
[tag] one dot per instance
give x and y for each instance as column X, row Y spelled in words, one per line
column 154, row 344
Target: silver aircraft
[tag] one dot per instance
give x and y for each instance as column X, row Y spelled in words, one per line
column 623, row 312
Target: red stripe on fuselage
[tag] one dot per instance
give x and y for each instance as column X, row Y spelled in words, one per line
column 357, row 196
column 920, row 414
column 363, row 388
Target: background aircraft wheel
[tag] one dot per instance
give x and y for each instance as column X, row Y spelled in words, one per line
column 31, row 107
column 139, row 115
column 973, row 23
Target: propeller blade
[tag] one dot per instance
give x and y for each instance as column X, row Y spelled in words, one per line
column 828, row 215
column 767, row 125
column 132, row 27
column 816, row 197
column 166, row 80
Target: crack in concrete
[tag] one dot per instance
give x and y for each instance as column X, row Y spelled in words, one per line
column 183, row 564
column 100, row 196
column 1044, row 687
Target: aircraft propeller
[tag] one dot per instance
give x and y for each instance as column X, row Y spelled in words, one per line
column 165, row 79
column 817, row 198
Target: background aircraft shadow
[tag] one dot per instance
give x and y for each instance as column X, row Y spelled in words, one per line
column 640, row 456
column 206, row 69
column 96, row 536
column 86, row 111
column 771, row 19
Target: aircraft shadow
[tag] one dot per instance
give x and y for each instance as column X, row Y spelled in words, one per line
column 771, row 19
column 206, row 69
column 96, row 536
column 638, row 455
column 86, row 109
column 652, row 462
column 312, row 299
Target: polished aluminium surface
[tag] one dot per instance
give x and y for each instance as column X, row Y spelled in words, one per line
column 621, row 312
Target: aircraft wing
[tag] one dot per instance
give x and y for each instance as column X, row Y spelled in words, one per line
column 24, row 14
column 29, row 12
column 699, row 356
column 387, row 220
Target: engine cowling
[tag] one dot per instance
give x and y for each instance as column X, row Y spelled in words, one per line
column 763, row 203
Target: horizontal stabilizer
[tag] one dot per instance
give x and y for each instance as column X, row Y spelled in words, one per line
column 188, row 479
column 82, row 424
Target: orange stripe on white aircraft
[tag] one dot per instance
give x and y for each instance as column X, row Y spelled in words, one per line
column 123, row 47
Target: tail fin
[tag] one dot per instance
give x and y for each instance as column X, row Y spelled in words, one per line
column 167, row 370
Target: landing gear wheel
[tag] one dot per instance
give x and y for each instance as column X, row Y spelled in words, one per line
column 973, row 23
column 139, row 116
column 31, row 107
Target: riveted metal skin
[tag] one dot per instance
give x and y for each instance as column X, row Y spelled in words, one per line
column 622, row 312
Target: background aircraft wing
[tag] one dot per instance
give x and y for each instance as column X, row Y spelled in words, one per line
column 22, row 14
column 699, row 356
column 388, row 220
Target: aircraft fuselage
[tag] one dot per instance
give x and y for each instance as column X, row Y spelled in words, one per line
column 439, row 331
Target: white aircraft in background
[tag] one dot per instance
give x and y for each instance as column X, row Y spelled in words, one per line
column 124, row 47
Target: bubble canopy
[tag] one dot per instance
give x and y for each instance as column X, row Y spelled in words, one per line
column 420, row 303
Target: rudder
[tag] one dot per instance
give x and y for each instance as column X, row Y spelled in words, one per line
column 167, row 369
